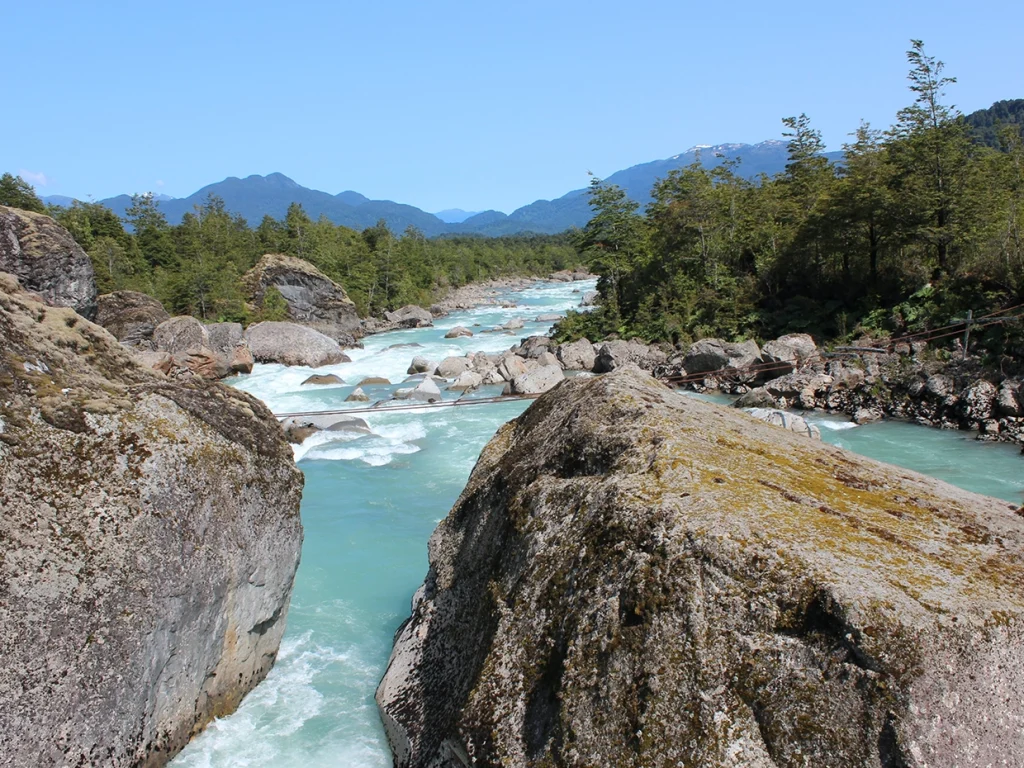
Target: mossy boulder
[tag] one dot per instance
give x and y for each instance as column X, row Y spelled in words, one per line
column 149, row 534
column 46, row 260
column 312, row 298
column 636, row 578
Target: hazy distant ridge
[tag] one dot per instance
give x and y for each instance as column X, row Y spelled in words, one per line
column 257, row 196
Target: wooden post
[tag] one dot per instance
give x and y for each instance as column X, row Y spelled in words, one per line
column 967, row 332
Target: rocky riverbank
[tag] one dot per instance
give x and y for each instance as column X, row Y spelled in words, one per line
column 636, row 578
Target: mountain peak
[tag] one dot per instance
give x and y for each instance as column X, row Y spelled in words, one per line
column 275, row 178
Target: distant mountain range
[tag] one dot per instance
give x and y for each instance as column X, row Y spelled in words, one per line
column 256, row 196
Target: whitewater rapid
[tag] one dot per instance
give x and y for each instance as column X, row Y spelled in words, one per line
column 372, row 500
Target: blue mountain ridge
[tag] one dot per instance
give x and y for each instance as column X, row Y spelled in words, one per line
column 257, row 196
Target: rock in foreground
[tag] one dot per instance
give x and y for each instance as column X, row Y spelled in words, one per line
column 150, row 535
column 633, row 578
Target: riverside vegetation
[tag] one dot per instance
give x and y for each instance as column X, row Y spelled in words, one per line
column 915, row 226
column 196, row 267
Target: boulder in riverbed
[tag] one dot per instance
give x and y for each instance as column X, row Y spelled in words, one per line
column 291, row 344
column 421, row 364
column 451, row 367
column 458, row 332
column 466, row 381
column 577, row 355
column 357, row 396
column 759, row 397
column 786, row 420
column 410, row 316
column 130, row 316
column 636, row 578
column 313, row 299
column 323, row 379
column 540, row 379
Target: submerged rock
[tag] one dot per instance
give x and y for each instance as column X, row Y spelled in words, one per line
column 636, row 578
column 150, row 535
column 46, row 260
column 323, row 379
column 357, row 395
column 786, row 420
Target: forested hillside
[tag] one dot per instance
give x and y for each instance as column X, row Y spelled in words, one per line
column 917, row 225
column 988, row 125
column 195, row 267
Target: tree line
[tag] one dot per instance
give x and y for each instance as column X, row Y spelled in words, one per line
column 913, row 227
column 195, row 267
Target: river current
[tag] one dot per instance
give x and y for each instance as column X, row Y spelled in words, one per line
column 371, row 502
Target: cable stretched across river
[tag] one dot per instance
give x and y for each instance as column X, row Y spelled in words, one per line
column 380, row 407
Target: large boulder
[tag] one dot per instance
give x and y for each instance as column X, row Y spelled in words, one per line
column 510, row 366
column 131, row 316
column 1010, row 399
column 615, row 354
column 410, row 316
column 466, row 381
column 534, row 382
column 711, row 355
column 46, row 260
column 180, row 334
column 291, row 344
column 787, row 353
column 636, row 578
column 533, row 347
column 451, row 367
column 420, row 364
column 228, row 341
column 577, row 355
column 313, row 299
column 150, row 535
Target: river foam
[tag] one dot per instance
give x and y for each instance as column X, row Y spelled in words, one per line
column 370, row 504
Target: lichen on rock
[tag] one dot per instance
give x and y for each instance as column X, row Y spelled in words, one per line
column 46, row 260
column 636, row 578
column 150, row 537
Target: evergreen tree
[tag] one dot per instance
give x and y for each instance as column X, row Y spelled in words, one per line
column 18, row 193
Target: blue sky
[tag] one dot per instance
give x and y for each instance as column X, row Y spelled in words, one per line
column 455, row 104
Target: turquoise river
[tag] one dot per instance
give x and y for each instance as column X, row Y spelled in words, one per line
column 371, row 502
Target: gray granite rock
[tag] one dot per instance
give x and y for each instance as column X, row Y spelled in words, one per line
column 150, row 534
column 632, row 577
column 291, row 344
column 46, row 260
